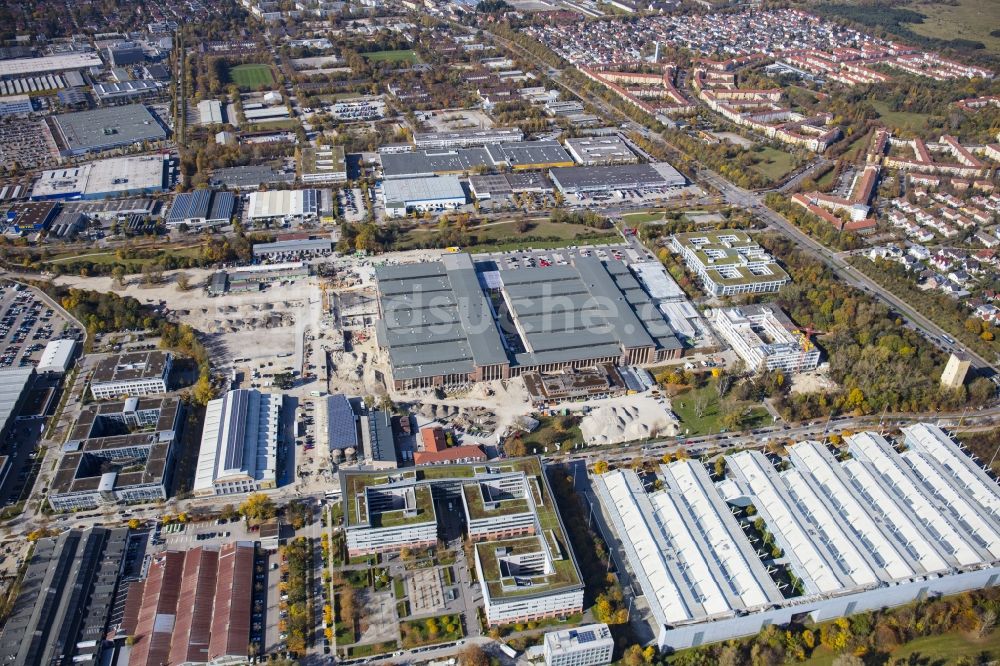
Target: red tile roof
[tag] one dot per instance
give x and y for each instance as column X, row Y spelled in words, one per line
column 434, row 439
column 454, row 454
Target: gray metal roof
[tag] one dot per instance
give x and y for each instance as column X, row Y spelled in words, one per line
column 108, row 127
column 13, row 383
column 615, row 177
column 438, row 320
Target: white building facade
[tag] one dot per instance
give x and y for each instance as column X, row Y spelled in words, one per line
column 765, row 338
column 589, row 645
column 239, row 444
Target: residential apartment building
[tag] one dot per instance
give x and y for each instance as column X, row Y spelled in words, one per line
column 589, row 645
column 131, row 374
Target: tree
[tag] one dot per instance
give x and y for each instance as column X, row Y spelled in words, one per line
column 515, row 448
column 600, row 467
column 258, row 506
column 118, row 275
column 473, row 655
column 183, row 281
column 134, row 524
column 203, row 390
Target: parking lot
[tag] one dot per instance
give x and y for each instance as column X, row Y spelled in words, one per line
column 27, row 323
column 562, row 257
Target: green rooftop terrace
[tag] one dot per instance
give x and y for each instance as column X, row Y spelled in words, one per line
column 478, row 509
column 503, row 585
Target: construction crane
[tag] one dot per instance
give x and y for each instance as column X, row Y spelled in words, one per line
column 804, row 336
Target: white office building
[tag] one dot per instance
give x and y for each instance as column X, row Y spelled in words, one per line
column 765, row 338
column 239, row 444
column 590, row 645
column 57, row 356
column 132, row 374
column 729, row 262
column 877, row 529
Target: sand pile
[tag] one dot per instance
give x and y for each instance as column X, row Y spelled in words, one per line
column 627, row 419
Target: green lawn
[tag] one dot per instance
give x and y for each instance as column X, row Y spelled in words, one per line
column 943, row 649
column 640, row 218
column 773, row 164
column 111, row 258
column 902, row 120
column 408, row 55
column 967, row 19
column 700, row 411
column 551, row 432
column 252, row 75
column 485, row 236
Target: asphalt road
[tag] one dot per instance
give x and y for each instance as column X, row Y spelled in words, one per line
column 746, row 199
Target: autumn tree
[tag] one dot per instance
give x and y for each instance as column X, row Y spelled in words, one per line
column 473, row 655
column 258, row 506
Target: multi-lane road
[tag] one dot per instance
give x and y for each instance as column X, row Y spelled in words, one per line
column 738, row 196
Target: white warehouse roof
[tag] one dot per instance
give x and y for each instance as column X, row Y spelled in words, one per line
column 423, row 190
column 847, row 529
column 57, row 356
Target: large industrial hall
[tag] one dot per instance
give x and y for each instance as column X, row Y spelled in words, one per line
column 460, row 320
column 847, row 533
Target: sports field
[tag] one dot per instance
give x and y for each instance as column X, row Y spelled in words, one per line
column 407, row 55
column 252, row 75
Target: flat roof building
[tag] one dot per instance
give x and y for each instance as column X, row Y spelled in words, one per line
column 119, row 452
column 62, row 62
column 106, row 128
column 284, row 204
column 589, row 645
column 293, row 250
column 30, row 217
column 193, row 607
column 132, row 374
column 438, row 325
column 464, row 138
column 523, row 558
column 323, row 164
column 63, row 607
column 729, row 262
column 380, row 441
column 57, row 356
column 436, row 193
column 765, row 338
column 518, row 156
column 102, row 179
column 574, row 180
column 14, row 386
column 201, row 208
column 210, row 112
column 239, row 444
column 248, row 177
column 592, row 150
column 870, row 531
